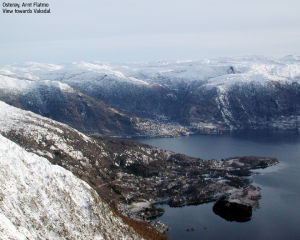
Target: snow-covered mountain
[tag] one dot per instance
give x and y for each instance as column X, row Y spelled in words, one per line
column 61, row 102
column 208, row 95
column 39, row 200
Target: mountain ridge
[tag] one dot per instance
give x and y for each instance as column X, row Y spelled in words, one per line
column 183, row 97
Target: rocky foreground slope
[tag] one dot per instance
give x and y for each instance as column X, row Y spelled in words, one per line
column 130, row 176
column 39, row 200
column 212, row 96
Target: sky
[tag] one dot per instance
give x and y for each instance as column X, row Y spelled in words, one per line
column 140, row 30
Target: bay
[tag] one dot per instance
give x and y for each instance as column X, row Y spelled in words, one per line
column 278, row 216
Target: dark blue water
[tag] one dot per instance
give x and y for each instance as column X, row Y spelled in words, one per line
column 279, row 214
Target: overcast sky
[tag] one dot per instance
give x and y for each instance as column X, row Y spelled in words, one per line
column 140, row 30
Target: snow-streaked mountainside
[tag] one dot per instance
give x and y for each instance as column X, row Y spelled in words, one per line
column 61, row 102
column 90, row 159
column 39, row 200
column 102, row 163
column 208, row 95
column 94, row 161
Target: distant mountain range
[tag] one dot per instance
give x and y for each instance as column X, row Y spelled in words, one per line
column 160, row 98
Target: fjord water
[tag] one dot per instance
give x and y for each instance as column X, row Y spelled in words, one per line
column 279, row 214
